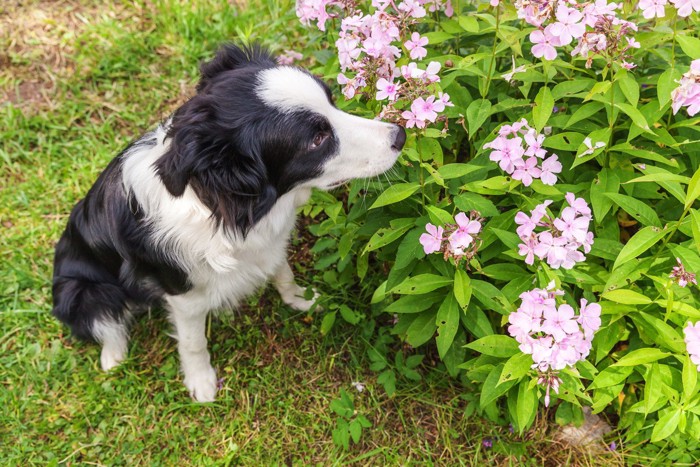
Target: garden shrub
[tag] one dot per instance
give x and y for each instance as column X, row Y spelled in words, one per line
column 543, row 225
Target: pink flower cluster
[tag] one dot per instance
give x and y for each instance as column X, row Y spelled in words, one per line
column 458, row 241
column 593, row 25
column 369, row 46
column 687, row 94
column 518, row 151
column 554, row 335
column 559, row 243
column 681, row 276
column 657, row 8
column 692, row 342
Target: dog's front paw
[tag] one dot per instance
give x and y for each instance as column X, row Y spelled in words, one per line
column 298, row 302
column 202, row 384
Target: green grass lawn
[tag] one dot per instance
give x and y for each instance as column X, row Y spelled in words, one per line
column 78, row 80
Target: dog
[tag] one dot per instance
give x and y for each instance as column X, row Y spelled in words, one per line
column 196, row 215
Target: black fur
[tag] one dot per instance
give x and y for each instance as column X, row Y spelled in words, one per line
column 238, row 155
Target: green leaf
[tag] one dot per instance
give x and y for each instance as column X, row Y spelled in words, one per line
column 413, row 303
column 355, row 431
column 468, row 23
column 471, row 201
column 630, row 89
column 439, row 216
column 462, row 288
column 526, row 405
column 611, row 376
column 516, row 367
column 666, row 84
column 450, row 171
column 496, row 345
column 695, row 227
column 607, row 182
column 583, row 112
column 690, row 45
column 635, row 115
column 544, row 104
column 693, row 190
column 638, row 244
column 383, row 237
column 491, row 390
column 422, row 283
column 690, row 377
column 642, row 356
column 327, row 323
column 349, row 315
column 635, row 208
column 395, row 193
column 430, row 150
column 447, row 321
column 477, row 113
column 627, row 297
column 666, row 425
column 598, row 88
column 421, row 329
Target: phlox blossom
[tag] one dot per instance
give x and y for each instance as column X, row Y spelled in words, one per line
column 415, row 46
column 692, row 342
column 431, row 241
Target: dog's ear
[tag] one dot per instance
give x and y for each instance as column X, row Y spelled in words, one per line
column 184, row 154
column 222, row 164
column 230, row 57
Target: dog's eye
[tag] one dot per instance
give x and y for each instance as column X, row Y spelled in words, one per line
column 319, row 139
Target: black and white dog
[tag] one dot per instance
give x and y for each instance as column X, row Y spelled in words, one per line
column 196, row 215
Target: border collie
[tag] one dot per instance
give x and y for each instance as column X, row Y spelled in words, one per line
column 196, row 215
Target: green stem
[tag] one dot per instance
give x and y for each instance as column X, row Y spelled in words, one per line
column 492, row 64
column 673, row 57
column 611, row 119
column 670, row 234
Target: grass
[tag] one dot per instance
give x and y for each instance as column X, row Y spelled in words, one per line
column 79, row 79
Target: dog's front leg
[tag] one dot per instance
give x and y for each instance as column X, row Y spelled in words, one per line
column 190, row 326
column 292, row 294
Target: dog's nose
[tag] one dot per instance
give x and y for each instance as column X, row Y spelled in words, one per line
column 399, row 138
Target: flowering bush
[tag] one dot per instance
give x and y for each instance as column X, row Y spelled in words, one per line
column 518, row 108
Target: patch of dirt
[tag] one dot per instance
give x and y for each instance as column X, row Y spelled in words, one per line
column 36, row 44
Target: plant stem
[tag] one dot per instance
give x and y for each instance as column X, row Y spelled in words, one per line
column 492, row 63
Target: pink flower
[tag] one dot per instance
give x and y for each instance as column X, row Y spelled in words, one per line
column 559, row 323
column 686, row 7
column 527, row 249
column 289, row 57
column 506, row 152
column 431, row 241
column 413, row 8
column 412, row 120
column 526, row 170
column 462, row 237
column 579, row 204
column 692, row 342
column 568, row 25
column 589, row 318
column 544, row 46
column 386, row 89
column 572, row 226
column 424, row 109
column 347, row 52
column 415, row 46
column 550, row 167
column 534, row 142
column 682, row 276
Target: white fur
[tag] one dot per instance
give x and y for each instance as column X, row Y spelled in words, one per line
column 224, row 268
column 365, row 145
column 114, row 339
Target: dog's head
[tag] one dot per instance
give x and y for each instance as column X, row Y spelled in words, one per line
column 257, row 130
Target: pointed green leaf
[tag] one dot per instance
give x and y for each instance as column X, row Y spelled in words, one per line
column 635, row 208
column 447, row 321
column 638, row 244
column 422, row 283
column 477, row 113
column 544, row 105
column 462, row 288
column 496, row 345
column 395, row 193
column 666, row 425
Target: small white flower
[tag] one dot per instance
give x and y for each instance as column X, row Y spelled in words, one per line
column 591, row 147
column 358, row 385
